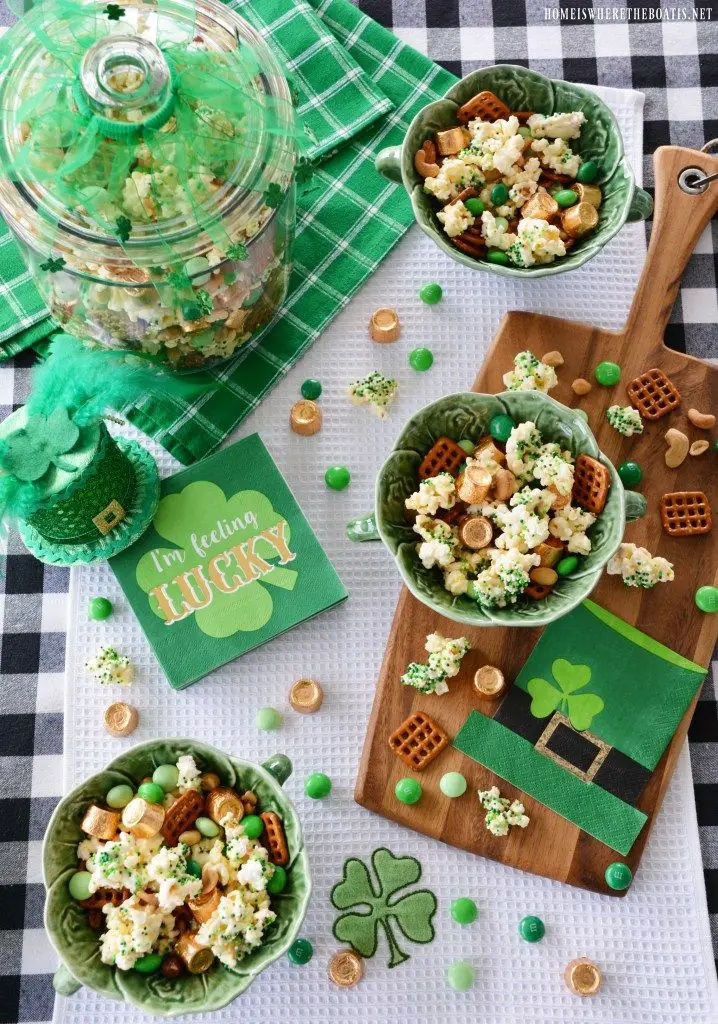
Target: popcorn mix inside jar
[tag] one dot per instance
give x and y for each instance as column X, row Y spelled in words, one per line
column 148, row 155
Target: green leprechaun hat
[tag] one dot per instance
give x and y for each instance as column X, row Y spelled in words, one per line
column 75, row 493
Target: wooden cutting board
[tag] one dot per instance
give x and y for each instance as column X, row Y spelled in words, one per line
column 552, row 846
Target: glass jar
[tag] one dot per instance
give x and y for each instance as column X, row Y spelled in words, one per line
column 148, row 156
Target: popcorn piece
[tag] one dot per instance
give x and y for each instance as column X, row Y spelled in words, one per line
column 537, row 241
column 496, row 145
column 189, row 774
column 109, row 666
column 454, row 175
column 374, row 390
column 168, row 870
column 455, row 218
column 497, row 235
column 132, row 930
column 639, row 568
column 434, row 493
column 570, row 524
column 556, row 126
column 443, row 663
column 421, row 678
column 522, row 529
column 625, row 419
column 524, row 443
column 557, row 156
column 504, row 580
column 501, row 814
column 529, row 374
column 553, row 469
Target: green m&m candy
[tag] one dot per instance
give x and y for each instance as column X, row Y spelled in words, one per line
column 707, row 599
column 567, row 565
column 474, row 206
column 431, row 293
column 119, row 797
column 311, row 389
column 151, row 792
column 618, row 876
column 501, row 223
column 452, row 784
column 497, row 256
column 421, row 359
column 167, row 776
column 499, row 193
column 301, row 951
column 607, row 373
column 207, row 828
column 464, row 910
column 460, row 975
column 524, row 131
column 253, row 826
column 630, row 473
column 565, row 197
column 587, row 172
column 99, row 608
column 148, row 964
column 278, row 881
column 194, row 869
column 268, row 719
column 407, row 791
column 79, row 885
column 467, row 445
column 500, row 427
column 337, row 478
column 532, row 929
column 317, row 786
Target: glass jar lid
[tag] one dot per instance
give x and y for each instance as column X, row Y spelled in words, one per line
column 136, row 137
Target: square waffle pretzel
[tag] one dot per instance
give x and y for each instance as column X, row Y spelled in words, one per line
column 445, row 457
column 591, row 481
column 485, row 105
column 418, row 740
column 181, row 816
column 686, row 513
column 275, row 839
column 653, row 394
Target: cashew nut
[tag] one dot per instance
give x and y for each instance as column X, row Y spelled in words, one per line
column 580, row 386
column 210, row 877
column 702, row 420
column 425, row 160
column 678, row 446
column 698, row 447
column 553, row 358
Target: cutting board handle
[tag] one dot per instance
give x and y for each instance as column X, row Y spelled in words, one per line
column 678, row 220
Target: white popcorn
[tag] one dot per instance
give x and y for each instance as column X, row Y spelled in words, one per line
column 455, row 218
column 639, row 568
column 522, row 529
column 497, row 144
column 553, row 469
column 625, row 419
column 189, row 774
column 434, row 552
column 557, row 126
column 496, row 235
column 435, row 493
column 537, row 241
column 570, row 524
column 557, row 156
column 454, row 175
column 530, row 374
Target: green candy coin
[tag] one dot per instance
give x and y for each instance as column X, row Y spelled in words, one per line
column 500, row 427
column 497, row 256
column 149, row 963
column 474, row 206
column 278, row 881
column 618, row 876
column 167, row 776
column 567, row 565
column 464, row 910
column 151, row 792
column 317, row 786
column 337, row 478
column 707, row 599
column 532, row 929
column 499, row 193
column 194, row 869
column 268, row 719
column 565, row 197
column 207, row 828
column 460, row 975
column 421, row 359
column 99, row 608
column 431, row 293
column 587, row 172
column 79, row 885
column 630, row 474
column 407, row 791
column 119, row 797
column 253, row 826
column 607, row 373
column 311, row 389
column 452, row 784
column 301, row 951
column 467, row 445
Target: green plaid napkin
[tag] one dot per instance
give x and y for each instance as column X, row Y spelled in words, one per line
column 359, row 87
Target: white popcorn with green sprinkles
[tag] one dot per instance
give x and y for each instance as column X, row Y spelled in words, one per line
column 110, row 667
column 376, row 391
column 443, row 663
column 502, row 814
column 530, row 374
column 639, row 568
column 625, row 419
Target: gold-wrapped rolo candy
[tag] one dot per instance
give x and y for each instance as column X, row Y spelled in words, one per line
column 204, row 905
column 197, row 958
column 384, row 326
column 579, row 219
column 305, row 417
column 589, row 194
column 582, row 977
column 143, row 819
column 121, row 719
column 306, row 696
column 100, row 823
column 346, row 968
column 489, row 681
column 222, row 802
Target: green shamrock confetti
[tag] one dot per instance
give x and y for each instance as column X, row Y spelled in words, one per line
column 580, row 708
column 123, row 227
column 30, row 452
column 274, row 195
column 411, row 913
column 192, row 515
column 114, row 12
column 237, row 251
column 204, row 301
column 53, row 264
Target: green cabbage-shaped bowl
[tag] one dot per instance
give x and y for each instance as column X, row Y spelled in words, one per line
column 522, row 89
column 66, row 922
column 467, row 415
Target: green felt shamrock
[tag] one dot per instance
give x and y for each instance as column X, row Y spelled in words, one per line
column 30, row 452
column 580, row 708
column 123, row 227
column 195, row 522
column 274, row 195
column 114, row 12
column 411, row 913
column 237, row 251
column 53, row 264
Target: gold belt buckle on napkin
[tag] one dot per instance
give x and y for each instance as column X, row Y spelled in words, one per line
column 602, row 752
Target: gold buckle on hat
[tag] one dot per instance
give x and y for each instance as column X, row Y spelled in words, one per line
column 601, row 754
column 110, row 517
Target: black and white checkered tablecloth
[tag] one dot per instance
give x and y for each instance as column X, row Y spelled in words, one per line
column 675, row 63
